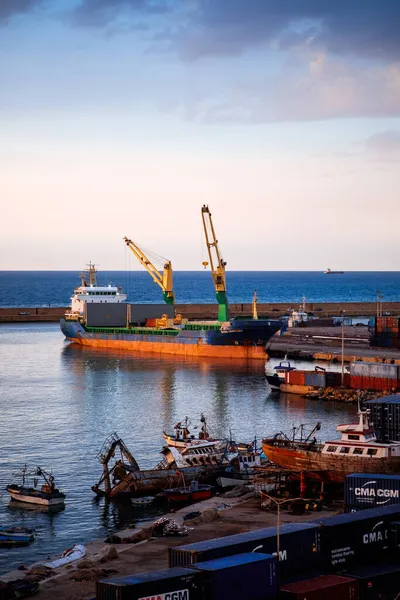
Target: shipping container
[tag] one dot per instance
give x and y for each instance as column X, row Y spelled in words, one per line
column 363, row 491
column 357, row 538
column 105, row 314
column 333, row 378
column 395, row 538
column 326, row 587
column 299, row 548
column 138, row 313
column 315, row 379
column 174, row 584
column 377, row 370
column 249, row 576
column 376, row 581
column 358, row 382
column 295, row 377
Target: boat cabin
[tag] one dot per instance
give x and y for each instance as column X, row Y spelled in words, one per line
column 90, row 292
column 359, row 439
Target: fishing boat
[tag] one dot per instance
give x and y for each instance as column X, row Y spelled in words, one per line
column 123, row 476
column 243, row 466
column 195, row 492
column 183, row 438
column 100, row 317
column 26, row 492
column 356, row 451
column 276, row 376
column 16, row 536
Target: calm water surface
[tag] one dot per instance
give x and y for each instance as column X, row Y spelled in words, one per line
column 59, row 402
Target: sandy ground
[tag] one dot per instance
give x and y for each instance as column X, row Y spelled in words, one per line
column 152, row 554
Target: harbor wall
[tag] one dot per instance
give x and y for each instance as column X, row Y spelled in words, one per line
column 210, row 311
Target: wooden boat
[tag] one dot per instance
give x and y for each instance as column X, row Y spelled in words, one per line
column 357, row 451
column 16, row 536
column 46, row 495
column 124, row 476
column 193, row 493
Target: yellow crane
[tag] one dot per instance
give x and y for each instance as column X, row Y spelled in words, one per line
column 217, row 264
column 164, row 280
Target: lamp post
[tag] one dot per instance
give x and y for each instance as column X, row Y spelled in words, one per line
column 278, row 503
column 343, row 312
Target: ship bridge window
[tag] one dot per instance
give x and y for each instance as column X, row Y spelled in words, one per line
column 371, row 451
column 331, row 449
column 358, row 451
column 344, row 450
column 351, row 436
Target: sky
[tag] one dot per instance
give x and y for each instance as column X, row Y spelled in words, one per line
column 123, row 117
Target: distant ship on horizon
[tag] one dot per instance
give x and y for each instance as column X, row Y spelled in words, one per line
column 329, row 272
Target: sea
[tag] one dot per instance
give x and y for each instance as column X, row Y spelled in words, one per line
column 59, row 402
column 54, row 288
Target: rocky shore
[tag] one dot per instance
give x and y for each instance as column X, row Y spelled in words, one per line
column 345, row 395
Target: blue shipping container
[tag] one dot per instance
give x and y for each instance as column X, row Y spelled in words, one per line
column 357, row 538
column 299, row 548
column 363, row 490
column 179, row 584
column 249, row 576
column 315, row 379
column 382, row 581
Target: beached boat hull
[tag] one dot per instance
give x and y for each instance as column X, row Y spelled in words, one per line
column 183, row 495
column 323, row 466
column 246, row 342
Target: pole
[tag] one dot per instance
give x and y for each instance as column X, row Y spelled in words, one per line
column 343, row 348
column 278, row 530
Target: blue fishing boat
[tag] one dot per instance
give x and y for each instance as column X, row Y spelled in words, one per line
column 16, row 536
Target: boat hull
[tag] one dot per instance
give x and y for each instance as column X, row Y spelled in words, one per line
column 324, row 467
column 187, row 496
column 31, row 499
column 16, row 538
column 274, row 381
column 244, row 341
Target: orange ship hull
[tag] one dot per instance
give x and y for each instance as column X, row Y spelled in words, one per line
column 195, row 350
column 326, row 467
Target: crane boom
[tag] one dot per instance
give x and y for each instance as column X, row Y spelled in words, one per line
column 164, row 280
column 217, row 264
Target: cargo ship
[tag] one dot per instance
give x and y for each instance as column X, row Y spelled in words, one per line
column 357, row 451
column 330, row 272
column 99, row 316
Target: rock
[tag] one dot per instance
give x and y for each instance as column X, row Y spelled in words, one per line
column 210, row 515
column 21, row 568
column 85, row 564
column 139, row 536
column 91, row 574
column 112, row 553
column 235, row 492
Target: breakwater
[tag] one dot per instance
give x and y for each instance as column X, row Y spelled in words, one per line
column 210, row 311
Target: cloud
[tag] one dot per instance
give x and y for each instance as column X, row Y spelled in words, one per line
column 103, row 13
column 10, row 7
column 362, row 27
column 312, row 87
column 384, row 145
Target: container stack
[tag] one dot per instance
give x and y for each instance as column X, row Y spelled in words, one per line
column 374, row 376
column 385, row 417
column 386, row 332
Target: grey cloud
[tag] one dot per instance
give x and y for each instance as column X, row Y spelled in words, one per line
column 10, row 7
column 101, row 13
column 360, row 26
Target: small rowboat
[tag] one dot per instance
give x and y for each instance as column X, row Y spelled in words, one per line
column 69, row 555
column 193, row 493
column 16, row 536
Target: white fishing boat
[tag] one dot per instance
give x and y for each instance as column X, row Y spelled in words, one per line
column 28, row 491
